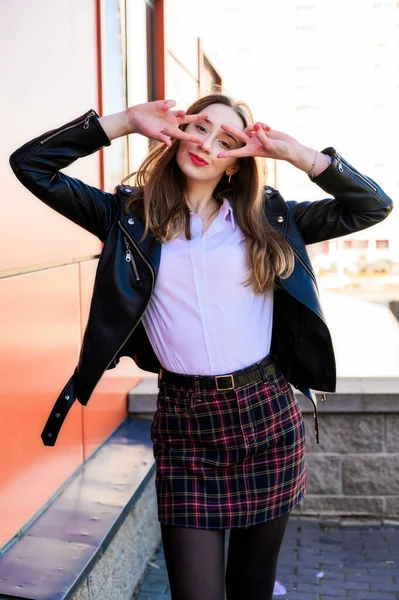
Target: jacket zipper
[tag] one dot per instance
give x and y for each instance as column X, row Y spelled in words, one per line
column 340, row 168
column 148, row 301
column 130, row 259
column 85, row 126
column 305, row 266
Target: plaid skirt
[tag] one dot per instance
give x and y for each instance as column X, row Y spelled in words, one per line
column 228, row 459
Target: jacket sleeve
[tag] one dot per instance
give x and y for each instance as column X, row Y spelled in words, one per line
column 358, row 202
column 37, row 165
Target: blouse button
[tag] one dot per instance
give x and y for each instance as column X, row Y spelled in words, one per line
column 131, row 221
column 280, row 219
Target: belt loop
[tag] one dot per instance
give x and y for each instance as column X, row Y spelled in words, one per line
column 197, row 386
column 262, row 370
column 316, row 427
column 159, row 377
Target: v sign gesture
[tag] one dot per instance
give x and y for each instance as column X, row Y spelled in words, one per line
column 154, row 120
column 261, row 140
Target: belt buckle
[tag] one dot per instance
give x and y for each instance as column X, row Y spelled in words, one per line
column 226, row 389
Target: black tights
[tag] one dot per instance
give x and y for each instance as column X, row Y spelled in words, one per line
column 195, row 561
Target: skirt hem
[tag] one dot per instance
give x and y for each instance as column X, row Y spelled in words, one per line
column 289, row 509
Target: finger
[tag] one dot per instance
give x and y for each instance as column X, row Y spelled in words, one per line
column 160, row 136
column 238, row 153
column 194, row 118
column 163, row 138
column 180, row 113
column 181, row 135
column 167, row 104
column 249, row 129
column 237, row 132
column 261, row 135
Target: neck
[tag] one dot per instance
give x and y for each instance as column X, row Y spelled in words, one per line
column 199, row 195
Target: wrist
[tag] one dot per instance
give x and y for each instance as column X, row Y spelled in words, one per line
column 130, row 119
column 116, row 125
column 309, row 160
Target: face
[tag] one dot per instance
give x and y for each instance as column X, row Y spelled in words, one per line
column 199, row 161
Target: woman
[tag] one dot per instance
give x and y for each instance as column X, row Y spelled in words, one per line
column 227, row 314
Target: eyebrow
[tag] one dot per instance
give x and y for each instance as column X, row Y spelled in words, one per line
column 225, row 132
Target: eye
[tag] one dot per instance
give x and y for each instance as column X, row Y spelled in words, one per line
column 200, row 127
column 224, row 142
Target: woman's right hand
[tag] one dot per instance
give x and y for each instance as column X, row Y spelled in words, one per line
column 157, row 121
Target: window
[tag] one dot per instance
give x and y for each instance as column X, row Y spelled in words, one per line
column 306, row 68
column 302, row 88
column 305, row 107
column 382, row 243
column 305, row 7
column 325, row 247
column 305, row 28
column 114, row 91
column 356, row 244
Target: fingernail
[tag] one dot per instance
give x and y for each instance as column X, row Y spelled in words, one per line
column 256, row 127
column 268, row 128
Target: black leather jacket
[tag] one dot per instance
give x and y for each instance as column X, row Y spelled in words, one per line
column 301, row 340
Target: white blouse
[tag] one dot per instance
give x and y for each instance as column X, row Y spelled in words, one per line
column 201, row 320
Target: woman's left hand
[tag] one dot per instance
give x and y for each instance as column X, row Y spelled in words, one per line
column 260, row 140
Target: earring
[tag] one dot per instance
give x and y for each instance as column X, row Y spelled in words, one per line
column 230, row 175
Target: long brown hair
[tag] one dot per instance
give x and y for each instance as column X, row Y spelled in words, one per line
column 160, row 199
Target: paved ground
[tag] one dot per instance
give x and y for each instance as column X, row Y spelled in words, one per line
column 321, row 561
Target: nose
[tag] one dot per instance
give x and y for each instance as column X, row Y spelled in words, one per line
column 205, row 144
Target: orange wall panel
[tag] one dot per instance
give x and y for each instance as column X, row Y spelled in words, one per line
column 39, row 344
column 43, row 314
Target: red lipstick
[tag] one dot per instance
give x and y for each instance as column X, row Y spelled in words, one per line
column 197, row 160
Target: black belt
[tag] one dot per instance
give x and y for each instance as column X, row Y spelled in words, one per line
column 222, row 383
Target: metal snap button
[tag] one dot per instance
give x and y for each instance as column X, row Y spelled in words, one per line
column 57, row 416
column 66, row 397
column 50, row 435
column 280, row 219
column 128, row 190
column 131, row 221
